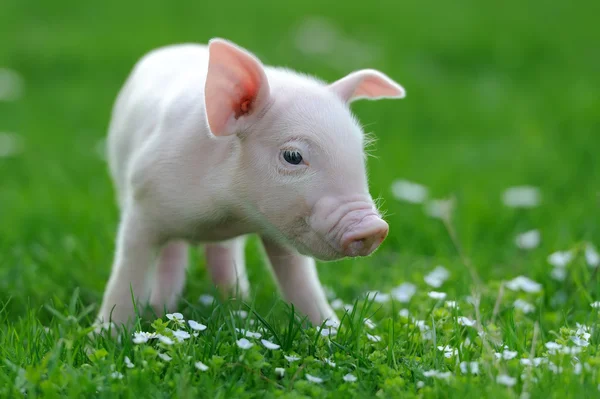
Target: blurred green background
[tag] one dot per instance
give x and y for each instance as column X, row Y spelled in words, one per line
column 498, row 94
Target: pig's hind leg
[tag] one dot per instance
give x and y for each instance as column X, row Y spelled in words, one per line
column 227, row 266
column 299, row 282
column 169, row 277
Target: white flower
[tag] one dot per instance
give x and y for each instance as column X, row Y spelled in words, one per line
column 249, row 334
column 292, row 359
column 524, row 284
column 523, row 306
column 280, row 371
column 583, row 331
column 252, row 334
column 165, row 340
column 181, row 335
column 11, row 85
column 11, row 144
column 314, row 379
column 165, row 357
column 349, row 378
column 270, row 345
column 437, row 295
column 521, row 197
column 329, row 292
column 465, row 321
column 420, row 384
column 374, row 338
column 175, row 316
column 473, row 367
column 141, row 337
column 377, row 296
column 577, row 368
column 560, row 258
column 332, row 323
column 448, row 351
column 348, row 308
column 369, row 324
column 437, row 374
column 444, row 376
column 329, row 362
column 554, row 368
column 337, row 304
column 128, row 363
column 98, row 327
column 451, row 304
column 194, row 325
column 528, row 240
column 206, row 299
column 404, row 292
column 116, row 375
column 553, row 346
column 241, row 313
column 573, row 350
column 243, row 343
column 506, row 355
column 437, row 277
column 558, row 274
column 466, row 343
column 408, row 191
column 595, row 305
column 591, row 255
column 536, row 361
column 421, row 324
column 440, row 208
column 473, row 300
column 329, row 332
column 579, row 341
column 507, row 380
column 201, row 366
column 404, row 313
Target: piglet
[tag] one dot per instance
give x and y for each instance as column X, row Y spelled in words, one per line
column 208, row 145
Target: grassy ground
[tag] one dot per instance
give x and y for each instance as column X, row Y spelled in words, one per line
column 498, row 96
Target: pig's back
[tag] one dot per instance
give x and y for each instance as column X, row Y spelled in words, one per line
column 163, row 85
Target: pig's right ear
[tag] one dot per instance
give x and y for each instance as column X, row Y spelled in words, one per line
column 236, row 87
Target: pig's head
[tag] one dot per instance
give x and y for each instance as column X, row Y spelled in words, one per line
column 301, row 168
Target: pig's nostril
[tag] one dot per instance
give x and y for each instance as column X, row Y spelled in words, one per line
column 356, row 247
column 365, row 245
column 364, row 238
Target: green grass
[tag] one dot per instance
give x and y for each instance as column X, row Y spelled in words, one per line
column 498, row 96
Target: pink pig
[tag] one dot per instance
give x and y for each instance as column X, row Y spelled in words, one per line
column 207, row 145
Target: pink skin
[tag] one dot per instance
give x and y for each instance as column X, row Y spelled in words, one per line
column 353, row 228
column 197, row 151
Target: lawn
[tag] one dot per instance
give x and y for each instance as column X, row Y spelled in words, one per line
column 498, row 96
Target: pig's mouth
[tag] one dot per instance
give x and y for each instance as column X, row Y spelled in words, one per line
column 327, row 252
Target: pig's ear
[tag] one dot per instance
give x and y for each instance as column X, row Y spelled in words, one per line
column 236, row 87
column 366, row 84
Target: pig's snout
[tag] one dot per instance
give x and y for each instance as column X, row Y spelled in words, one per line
column 363, row 238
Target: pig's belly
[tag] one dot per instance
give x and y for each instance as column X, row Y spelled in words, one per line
column 215, row 232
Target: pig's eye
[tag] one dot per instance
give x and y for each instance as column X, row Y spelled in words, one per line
column 292, row 157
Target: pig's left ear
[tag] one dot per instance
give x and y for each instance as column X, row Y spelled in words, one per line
column 236, row 87
column 366, row 84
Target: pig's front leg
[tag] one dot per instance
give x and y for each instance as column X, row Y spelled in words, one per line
column 227, row 266
column 169, row 277
column 299, row 282
column 136, row 250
